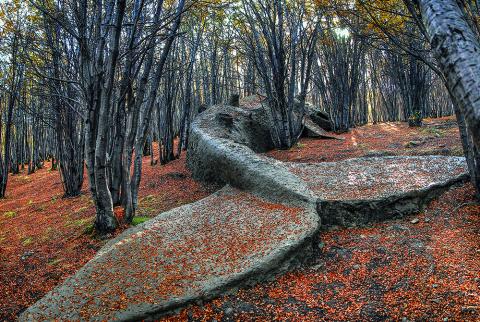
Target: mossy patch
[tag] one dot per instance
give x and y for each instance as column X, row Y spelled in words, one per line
column 47, row 234
column 362, row 146
column 81, row 209
column 41, row 206
column 78, row 222
column 54, row 261
column 148, row 198
column 27, row 241
column 144, row 210
column 9, row 214
column 139, row 220
column 457, row 151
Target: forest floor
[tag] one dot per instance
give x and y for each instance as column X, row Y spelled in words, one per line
column 436, row 137
column 424, row 267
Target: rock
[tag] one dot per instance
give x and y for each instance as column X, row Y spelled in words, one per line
column 202, row 108
column 445, row 151
column 278, row 212
column 415, row 122
column 322, row 120
column 223, row 147
column 394, row 146
column 362, row 190
column 415, row 221
column 469, row 309
column 314, row 131
column 398, row 228
column 319, row 117
column 228, row 311
column 154, row 267
column 177, row 175
column 27, row 254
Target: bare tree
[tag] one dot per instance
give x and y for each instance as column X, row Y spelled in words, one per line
column 275, row 34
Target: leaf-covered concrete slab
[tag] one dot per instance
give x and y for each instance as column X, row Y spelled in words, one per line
column 193, row 252
column 357, row 191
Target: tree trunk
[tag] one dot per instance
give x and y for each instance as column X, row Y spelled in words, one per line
column 457, row 50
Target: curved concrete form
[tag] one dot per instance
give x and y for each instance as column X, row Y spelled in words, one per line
column 223, row 147
column 194, row 252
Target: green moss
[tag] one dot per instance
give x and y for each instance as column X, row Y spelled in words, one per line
column 457, row 151
column 9, row 214
column 47, row 234
column 139, row 220
column 78, row 222
column 54, row 261
column 362, row 146
column 144, row 210
column 27, row 241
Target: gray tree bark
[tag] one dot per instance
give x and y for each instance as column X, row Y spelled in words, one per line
column 457, row 50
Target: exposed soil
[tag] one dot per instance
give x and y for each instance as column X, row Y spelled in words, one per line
column 44, row 238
